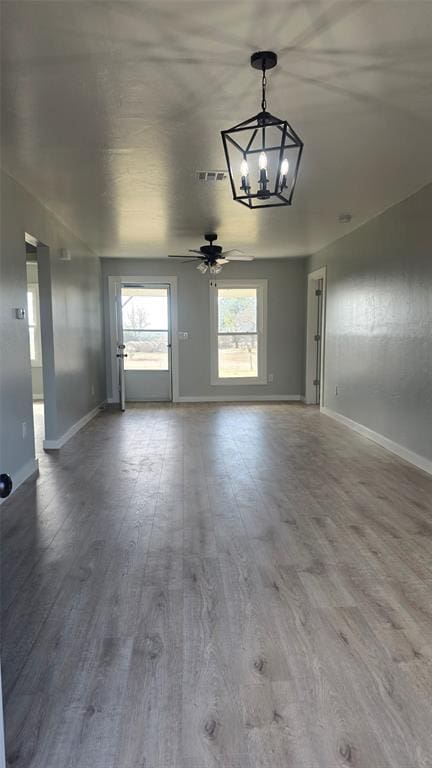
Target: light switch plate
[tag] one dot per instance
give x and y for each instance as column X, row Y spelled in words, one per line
column 183, row 335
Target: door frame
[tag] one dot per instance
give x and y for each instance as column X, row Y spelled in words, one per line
column 47, row 338
column 114, row 284
column 318, row 274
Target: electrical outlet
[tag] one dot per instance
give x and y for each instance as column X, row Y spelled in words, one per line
column 24, row 430
column 336, row 390
column 271, row 378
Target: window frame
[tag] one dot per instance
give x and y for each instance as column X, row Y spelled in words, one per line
column 33, row 288
column 261, row 333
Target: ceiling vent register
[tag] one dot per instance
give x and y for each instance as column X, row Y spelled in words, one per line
column 211, row 175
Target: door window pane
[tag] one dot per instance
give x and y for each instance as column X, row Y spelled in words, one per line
column 32, row 343
column 33, row 323
column 237, row 356
column 145, row 328
column 237, row 310
column 30, row 308
column 146, row 350
column 145, row 308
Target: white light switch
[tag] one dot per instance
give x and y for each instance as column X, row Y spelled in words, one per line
column 183, row 335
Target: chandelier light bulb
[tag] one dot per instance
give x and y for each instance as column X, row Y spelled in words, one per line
column 263, row 193
column 244, row 170
column 202, row 268
column 284, row 173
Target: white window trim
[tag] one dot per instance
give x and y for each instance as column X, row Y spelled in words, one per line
column 261, row 286
column 33, row 288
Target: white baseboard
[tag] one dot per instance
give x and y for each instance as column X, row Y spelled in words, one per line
column 237, row 398
column 23, row 474
column 223, row 399
column 52, row 445
column 404, row 453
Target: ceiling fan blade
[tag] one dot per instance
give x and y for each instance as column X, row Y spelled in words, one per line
column 240, row 258
column 232, row 252
column 188, row 261
column 193, row 250
column 178, row 256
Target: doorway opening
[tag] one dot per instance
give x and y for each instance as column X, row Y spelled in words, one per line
column 35, row 343
column 314, row 390
column 144, row 342
column 41, row 340
column 144, row 339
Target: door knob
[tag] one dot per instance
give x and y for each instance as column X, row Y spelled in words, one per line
column 5, row 485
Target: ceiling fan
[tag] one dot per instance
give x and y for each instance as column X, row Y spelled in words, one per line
column 212, row 257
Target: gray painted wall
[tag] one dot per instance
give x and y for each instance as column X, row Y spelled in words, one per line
column 77, row 318
column 286, row 321
column 379, row 323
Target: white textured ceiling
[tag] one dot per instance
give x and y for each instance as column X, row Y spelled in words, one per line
column 109, row 108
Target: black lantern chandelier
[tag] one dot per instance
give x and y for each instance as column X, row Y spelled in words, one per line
column 263, row 153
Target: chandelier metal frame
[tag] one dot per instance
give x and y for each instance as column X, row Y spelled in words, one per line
column 248, row 139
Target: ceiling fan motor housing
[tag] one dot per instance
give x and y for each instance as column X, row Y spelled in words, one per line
column 211, row 250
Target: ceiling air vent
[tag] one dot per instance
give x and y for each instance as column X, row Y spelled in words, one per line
column 211, row 175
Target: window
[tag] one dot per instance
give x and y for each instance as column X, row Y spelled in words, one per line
column 238, row 332
column 145, row 328
column 33, row 324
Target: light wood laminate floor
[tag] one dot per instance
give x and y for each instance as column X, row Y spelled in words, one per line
column 239, row 585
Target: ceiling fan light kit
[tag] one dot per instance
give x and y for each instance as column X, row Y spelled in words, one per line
column 263, row 152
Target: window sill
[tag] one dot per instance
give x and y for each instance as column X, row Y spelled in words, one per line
column 245, row 382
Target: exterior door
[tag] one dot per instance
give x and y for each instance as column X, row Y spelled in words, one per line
column 144, row 342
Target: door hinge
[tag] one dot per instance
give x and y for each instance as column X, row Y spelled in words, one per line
column 317, row 337
column 318, row 292
column 316, row 382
